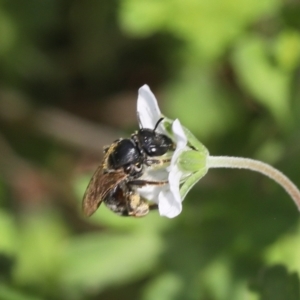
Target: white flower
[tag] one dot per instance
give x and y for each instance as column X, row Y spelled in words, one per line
column 167, row 196
column 169, row 200
column 190, row 161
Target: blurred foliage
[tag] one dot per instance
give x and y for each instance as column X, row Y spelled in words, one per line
column 70, row 70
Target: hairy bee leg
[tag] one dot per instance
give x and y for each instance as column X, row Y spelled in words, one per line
column 153, row 206
column 141, row 183
column 137, row 206
column 159, row 163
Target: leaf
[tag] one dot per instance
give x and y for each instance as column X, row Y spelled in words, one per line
column 95, row 261
column 8, row 233
column 202, row 105
column 207, row 27
column 6, row 266
column 40, row 253
column 266, row 82
column 8, row 293
column 276, row 283
column 166, row 286
column 285, row 251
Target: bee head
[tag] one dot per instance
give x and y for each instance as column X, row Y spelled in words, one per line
column 154, row 143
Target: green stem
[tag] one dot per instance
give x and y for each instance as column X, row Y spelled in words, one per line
column 258, row 166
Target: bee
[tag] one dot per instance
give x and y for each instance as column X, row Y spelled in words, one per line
column 117, row 178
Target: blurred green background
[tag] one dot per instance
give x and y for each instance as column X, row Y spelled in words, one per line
column 69, row 74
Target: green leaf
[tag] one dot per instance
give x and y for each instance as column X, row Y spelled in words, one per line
column 287, row 49
column 95, row 261
column 285, row 251
column 7, row 33
column 8, row 233
column 269, row 84
column 276, row 283
column 166, row 286
column 202, row 105
column 8, row 293
column 206, row 27
column 41, row 250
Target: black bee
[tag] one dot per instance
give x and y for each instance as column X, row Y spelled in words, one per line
column 117, row 178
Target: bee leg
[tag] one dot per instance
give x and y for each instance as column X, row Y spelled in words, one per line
column 137, row 206
column 141, row 183
column 157, row 163
column 153, row 206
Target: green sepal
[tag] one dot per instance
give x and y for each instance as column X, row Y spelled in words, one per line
column 192, row 161
column 194, row 142
column 191, row 181
column 168, row 125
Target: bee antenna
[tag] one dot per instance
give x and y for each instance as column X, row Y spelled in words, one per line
column 157, row 123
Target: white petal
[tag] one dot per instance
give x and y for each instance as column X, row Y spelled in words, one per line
column 167, row 207
column 179, row 135
column 181, row 142
column 169, row 201
column 147, row 108
column 150, row 192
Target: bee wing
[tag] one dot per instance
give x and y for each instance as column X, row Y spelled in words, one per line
column 98, row 188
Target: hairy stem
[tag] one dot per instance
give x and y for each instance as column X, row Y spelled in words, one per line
column 258, row 166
